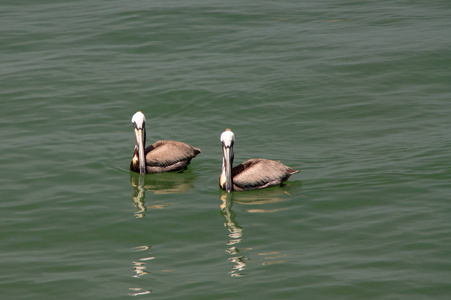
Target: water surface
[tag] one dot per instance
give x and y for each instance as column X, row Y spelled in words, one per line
column 354, row 94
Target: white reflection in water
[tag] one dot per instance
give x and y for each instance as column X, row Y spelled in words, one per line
column 139, row 194
column 139, row 268
column 138, row 292
column 235, row 234
column 141, row 248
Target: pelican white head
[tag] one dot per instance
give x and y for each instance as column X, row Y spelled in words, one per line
column 227, row 138
column 139, row 120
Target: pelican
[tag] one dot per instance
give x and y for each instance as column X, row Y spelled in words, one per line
column 161, row 156
column 253, row 174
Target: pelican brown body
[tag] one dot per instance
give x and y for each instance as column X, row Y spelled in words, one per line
column 256, row 173
column 161, row 156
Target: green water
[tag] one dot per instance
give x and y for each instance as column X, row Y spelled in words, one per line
column 355, row 94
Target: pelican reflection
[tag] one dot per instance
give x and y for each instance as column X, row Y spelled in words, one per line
column 260, row 202
column 235, row 235
column 266, row 197
column 162, row 183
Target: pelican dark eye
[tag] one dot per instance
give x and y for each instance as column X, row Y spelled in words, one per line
column 228, row 146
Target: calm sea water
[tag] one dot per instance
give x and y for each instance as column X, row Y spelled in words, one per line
column 356, row 94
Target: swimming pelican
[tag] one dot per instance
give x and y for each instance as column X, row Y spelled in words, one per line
column 161, row 156
column 253, row 174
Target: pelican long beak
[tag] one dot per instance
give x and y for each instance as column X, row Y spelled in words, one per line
column 227, row 162
column 139, row 139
